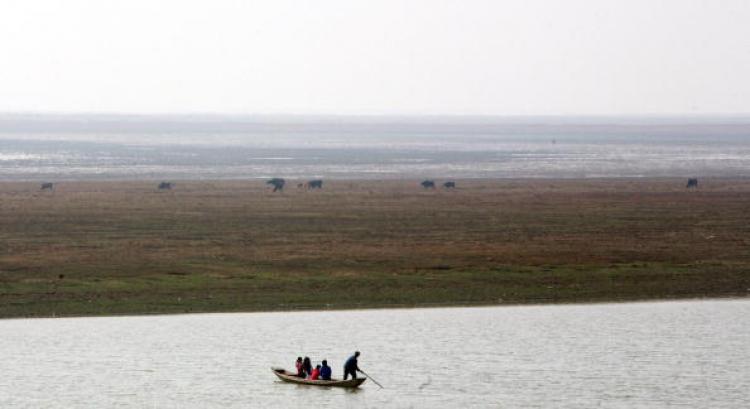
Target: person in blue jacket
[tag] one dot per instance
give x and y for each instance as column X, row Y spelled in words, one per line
column 325, row 371
column 350, row 367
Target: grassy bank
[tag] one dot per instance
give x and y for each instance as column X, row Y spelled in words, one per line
column 92, row 248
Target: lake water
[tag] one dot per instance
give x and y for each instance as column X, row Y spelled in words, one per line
column 121, row 147
column 640, row 355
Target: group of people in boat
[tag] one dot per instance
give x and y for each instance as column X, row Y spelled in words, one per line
column 322, row 371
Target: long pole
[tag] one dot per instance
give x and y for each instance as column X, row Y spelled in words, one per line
column 372, row 379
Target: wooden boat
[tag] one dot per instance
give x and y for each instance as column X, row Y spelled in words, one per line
column 287, row 376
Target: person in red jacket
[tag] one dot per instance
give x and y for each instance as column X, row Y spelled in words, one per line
column 315, row 373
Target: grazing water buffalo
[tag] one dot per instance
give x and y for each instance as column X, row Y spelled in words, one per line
column 692, row 182
column 277, row 183
column 48, row 186
column 165, row 186
column 449, row 185
column 428, row 184
column 315, row 184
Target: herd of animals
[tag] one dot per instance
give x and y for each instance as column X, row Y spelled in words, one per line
column 430, row 184
column 279, row 183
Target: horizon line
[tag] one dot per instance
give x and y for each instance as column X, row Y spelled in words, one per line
column 209, row 114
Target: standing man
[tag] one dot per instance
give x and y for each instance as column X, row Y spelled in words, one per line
column 350, row 367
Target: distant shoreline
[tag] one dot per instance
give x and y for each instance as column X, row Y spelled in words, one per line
column 125, row 248
column 292, row 180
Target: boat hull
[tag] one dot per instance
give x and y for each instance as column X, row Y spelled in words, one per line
column 286, row 376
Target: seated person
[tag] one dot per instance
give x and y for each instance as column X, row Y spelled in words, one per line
column 315, row 375
column 300, row 368
column 307, row 367
column 325, row 371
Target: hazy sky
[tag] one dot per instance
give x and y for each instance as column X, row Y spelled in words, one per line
column 376, row 57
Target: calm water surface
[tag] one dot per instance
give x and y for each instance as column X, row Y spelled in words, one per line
column 644, row 355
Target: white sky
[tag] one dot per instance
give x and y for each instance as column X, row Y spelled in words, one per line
column 502, row 57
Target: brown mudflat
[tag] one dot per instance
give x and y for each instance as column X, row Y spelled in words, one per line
column 93, row 248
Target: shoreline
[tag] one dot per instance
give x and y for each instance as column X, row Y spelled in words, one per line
column 9, row 180
column 447, row 305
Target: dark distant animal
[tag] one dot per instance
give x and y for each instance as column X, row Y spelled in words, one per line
column 692, row 182
column 48, row 186
column 428, row 184
column 277, row 183
column 449, row 185
column 315, row 184
column 165, row 186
